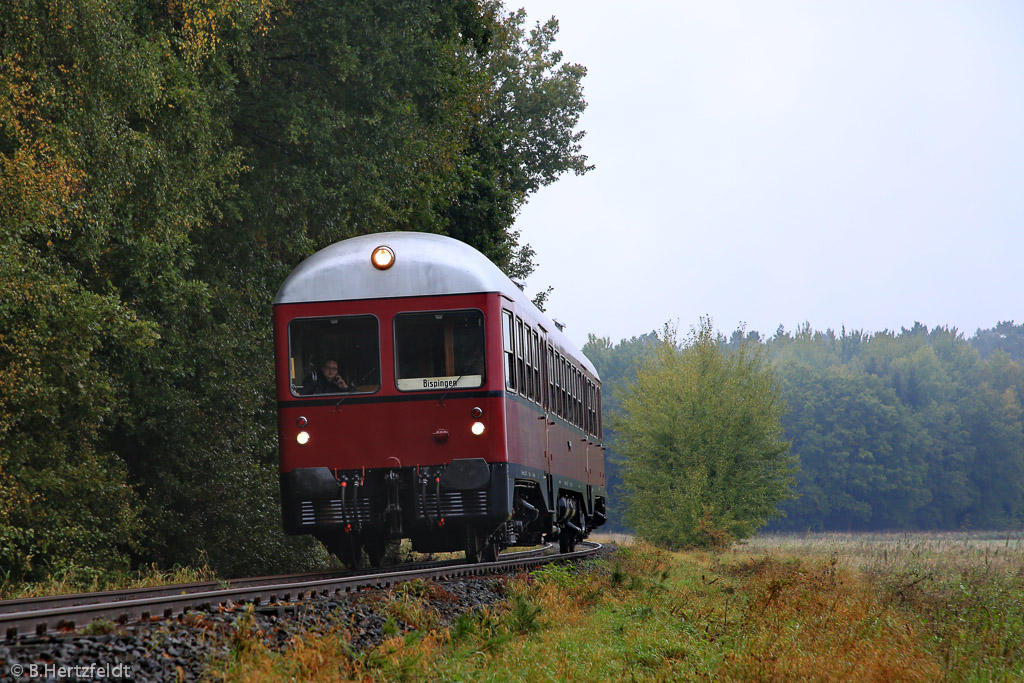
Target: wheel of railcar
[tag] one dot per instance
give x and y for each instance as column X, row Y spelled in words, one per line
column 348, row 548
column 488, row 551
column 563, row 541
column 472, row 542
column 376, row 549
column 479, row 547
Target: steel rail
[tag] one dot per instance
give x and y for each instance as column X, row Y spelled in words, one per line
column 58, row 601
column 283, row 595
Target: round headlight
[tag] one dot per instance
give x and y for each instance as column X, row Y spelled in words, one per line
column 477, row 428
column 382, row 258
column 302, row 438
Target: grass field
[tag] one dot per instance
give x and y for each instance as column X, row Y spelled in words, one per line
column 884, row 607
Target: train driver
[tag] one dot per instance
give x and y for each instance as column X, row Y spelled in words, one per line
column 327, row 382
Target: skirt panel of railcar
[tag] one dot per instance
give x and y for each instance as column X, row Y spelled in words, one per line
column 434, row 505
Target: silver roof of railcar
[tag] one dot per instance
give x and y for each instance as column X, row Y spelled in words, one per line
column 425, row 265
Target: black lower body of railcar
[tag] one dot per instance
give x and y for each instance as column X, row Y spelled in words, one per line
column 469, row 505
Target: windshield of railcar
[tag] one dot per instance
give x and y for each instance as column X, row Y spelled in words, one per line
column 439, row 350
column 338, row 355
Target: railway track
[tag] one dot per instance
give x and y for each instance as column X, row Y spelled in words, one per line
column 55, row 614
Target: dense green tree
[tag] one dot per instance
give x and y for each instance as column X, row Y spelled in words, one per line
column 1005, row 336
column 110, row 161
column 64, row 500
column 354, row 116
column 368, row 116
column 164, row 165
column 908, row 430
column 851, row 435
column 699, row 430
column 523, row 138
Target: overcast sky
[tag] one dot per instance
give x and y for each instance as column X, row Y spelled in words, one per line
column 850, row 163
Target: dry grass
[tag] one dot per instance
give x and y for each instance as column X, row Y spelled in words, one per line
column 78, row 580
column 963, row 591
column 883, row 552
column 814, row 620
column 612, row 539
column 829, row 608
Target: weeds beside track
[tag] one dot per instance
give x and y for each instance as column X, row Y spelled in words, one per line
column 777, row 609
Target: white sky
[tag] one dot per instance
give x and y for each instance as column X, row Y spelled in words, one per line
column 853, row 162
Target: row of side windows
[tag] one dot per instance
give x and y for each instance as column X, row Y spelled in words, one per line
column 537, row 371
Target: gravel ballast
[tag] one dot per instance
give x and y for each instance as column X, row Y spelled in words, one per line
column 184, row 647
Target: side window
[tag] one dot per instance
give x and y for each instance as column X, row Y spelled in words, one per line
column 528, row 352
column 581, row 399
column 556, row 372
column 591, row 421
column 538, row 353
column 560, row 384
column 590, row 408
column 520, row 357
column 550, row 368
column 586, row 404
column 566, row 393
column 576, row 396
column 507, row 335
column 569, row 408
column 577, row 403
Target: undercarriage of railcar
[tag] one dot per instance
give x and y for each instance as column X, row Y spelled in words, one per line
column 469, row 505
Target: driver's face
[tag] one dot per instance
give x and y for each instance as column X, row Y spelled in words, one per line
column 330, row 369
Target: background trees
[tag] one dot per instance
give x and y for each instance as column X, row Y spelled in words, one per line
column 920, row 429
column 703, row 458
column 901, row 431
column 164, row 165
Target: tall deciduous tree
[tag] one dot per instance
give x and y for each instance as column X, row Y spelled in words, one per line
column 523, row 137
column 164, row 165
column 109, row 162
column 699, row 430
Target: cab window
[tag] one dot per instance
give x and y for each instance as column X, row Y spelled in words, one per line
column 439, row 350
column 336, row 355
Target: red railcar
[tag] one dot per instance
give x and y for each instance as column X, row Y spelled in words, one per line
column 421, row 395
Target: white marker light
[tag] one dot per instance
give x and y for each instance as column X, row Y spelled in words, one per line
column 382, row 258
column 302, row 438
column 477, row 428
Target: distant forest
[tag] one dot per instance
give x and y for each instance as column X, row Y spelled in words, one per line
column 916, row 429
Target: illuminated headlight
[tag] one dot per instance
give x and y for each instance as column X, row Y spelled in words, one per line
column 302, row 438
column 477, row 428
column 382, row 258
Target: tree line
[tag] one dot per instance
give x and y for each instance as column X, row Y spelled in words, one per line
column 916, row 429
column 164, row 166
